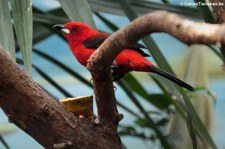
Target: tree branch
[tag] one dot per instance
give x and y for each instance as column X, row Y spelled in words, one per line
column 219, row 12
column 43, row 117
column 160, row 21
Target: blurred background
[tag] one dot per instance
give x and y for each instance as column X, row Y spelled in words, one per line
column 56, row 70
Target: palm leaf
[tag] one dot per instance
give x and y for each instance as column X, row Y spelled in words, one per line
column 205, row 11
column 150, row 121
column 142, row 7
column 6, row 31
column 125, row 4
column 23, row 23
column 78, row 10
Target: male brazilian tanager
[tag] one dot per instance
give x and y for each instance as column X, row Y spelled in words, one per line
column 84, row 40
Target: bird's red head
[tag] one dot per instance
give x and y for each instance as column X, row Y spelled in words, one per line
column 76, row 31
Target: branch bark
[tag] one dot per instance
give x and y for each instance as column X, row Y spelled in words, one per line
column 44, row 118
column 160, row 21
column 47, row 121
column 219, row 13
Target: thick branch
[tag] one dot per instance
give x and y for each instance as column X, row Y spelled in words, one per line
column 219, row 12
column 43, row 117
column 160, row 21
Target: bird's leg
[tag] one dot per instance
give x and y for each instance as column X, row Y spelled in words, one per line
column 115, row 74
column 117, row 77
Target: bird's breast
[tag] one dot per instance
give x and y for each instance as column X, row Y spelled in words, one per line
column 81, row 53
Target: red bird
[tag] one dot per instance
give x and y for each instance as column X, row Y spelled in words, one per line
column 84, row 40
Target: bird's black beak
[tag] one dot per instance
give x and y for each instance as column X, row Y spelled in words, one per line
column 62, row 28
column 58, row 26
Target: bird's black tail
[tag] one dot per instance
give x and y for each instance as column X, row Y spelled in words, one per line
column 171, row 78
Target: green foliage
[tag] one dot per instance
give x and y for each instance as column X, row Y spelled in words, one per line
column 161, row 61
column 164, row 102
column 23, row 23
column 78, row 10
column 206, row 11
column 6, row 32
column 132, row 131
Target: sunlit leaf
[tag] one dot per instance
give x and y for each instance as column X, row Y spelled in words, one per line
column 23, row 22
column 78, row 10
column 198, row 77
column 6, row 31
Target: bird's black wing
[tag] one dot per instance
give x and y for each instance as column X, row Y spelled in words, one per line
column 95, row 41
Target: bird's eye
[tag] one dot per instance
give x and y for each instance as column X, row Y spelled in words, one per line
column 74, row 28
